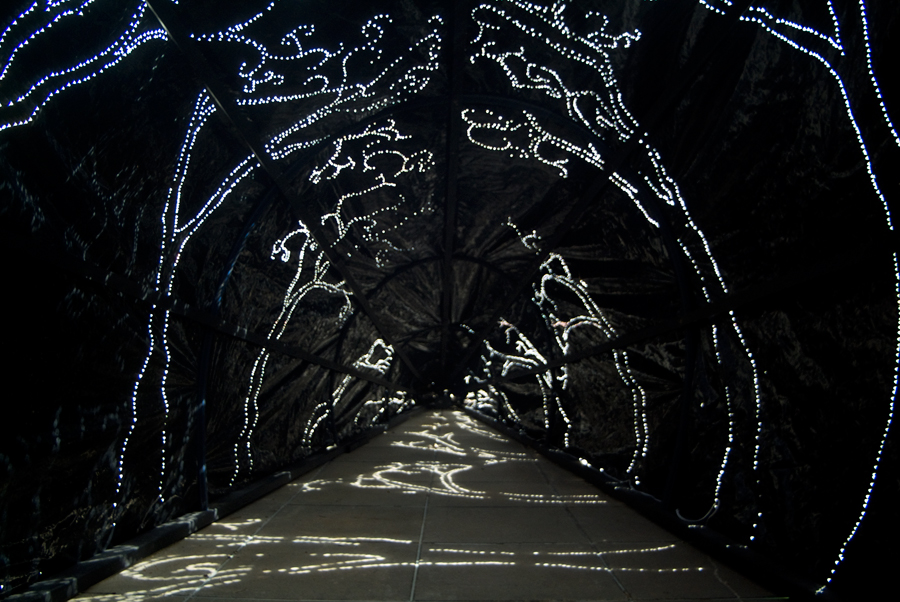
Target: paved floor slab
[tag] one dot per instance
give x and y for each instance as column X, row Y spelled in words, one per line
column 440, row 508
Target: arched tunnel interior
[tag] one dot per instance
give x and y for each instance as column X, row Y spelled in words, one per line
column 655, row 237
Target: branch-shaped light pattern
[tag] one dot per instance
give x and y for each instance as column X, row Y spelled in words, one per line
column 822, row 47
column 329, row 78
column 397, row 78
column 555, row 270
column 352, row 155
column 174, row 237
column 377, row 359
column 36, row 33
column 604, row 114
column 378, row 148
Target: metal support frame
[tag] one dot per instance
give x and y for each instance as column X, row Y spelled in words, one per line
column 454, row 75
column 200, row 440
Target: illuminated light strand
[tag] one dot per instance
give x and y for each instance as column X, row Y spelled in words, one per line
column 631, row 192
column 887, row 429
column 758, row 409
column 366, row 361
column 76, row 74
column 9, row 28
column 833, row 40
column 715, row 9
column 303, row 283
column 397, row 402
column 506, row 404
column 530, row 357
column 479, row 129
column 338, row 91
column 871, row 68
column 596, row 317
column 164, row 434
column 592, row 51
column 846, row 97
column 420, row 161
column 133, row 408
column 720, row 477
column 296, row 292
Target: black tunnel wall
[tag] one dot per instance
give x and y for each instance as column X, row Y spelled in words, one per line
column 135, row 361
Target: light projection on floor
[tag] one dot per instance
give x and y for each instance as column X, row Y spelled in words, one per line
column 452, row 472
column 263, row 550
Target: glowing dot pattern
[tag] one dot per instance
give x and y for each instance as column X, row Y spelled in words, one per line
column 792, row 33
column 603, row 114
column 47, row 85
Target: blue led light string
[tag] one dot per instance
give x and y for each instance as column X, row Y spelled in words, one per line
column 175, row 236
column 38, row 27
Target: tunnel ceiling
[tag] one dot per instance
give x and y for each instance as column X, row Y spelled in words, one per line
column 646, row 231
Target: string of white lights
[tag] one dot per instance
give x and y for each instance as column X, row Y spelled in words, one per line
column 377, row 359
column 359, row 153
column 785, row 31
column 610, row 121
column 323, row 77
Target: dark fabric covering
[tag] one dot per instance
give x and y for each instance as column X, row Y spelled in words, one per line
column 435, row 176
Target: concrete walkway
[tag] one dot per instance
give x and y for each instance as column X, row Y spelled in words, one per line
column 440, row 508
